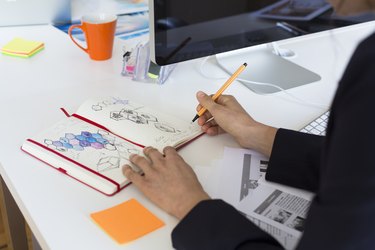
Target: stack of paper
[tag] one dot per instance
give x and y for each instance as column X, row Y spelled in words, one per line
column 239, row 179
column 20, row 47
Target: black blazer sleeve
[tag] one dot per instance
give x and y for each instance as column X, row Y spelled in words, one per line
column 295, row 159
column 216, row 225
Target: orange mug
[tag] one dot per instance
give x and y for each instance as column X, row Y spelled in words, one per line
column 99, row 30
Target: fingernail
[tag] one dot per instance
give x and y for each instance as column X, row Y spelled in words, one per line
column 125, row 168
column 201, row 94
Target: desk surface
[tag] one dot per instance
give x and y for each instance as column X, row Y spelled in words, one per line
column 56, row 207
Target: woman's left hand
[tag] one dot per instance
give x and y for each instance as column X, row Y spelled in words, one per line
column 168, row 180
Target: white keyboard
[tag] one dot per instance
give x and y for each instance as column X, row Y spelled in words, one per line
column 317, row 126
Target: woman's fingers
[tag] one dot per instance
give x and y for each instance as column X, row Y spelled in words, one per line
column 132, row 175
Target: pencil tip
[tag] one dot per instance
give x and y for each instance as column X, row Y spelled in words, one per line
column 195, row 118
column 245, row 64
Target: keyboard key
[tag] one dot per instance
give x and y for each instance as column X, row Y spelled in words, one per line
column 315, row 132
column 320, row 128
column 317, row 126
column 308, row 127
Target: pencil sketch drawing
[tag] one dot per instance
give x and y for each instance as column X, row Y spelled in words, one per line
column 101, row 140
column 142, row 118
column 112, row 101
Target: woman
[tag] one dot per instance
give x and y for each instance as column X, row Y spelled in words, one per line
column 341, row 215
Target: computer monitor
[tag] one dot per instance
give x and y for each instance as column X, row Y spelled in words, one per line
column 182, row 30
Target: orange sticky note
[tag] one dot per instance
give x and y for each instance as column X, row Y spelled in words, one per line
column 127, row 221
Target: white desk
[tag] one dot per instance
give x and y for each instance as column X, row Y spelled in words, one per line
column 56, row 207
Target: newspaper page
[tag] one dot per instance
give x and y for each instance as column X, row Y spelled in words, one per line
column 277, row 209
column 287, row 240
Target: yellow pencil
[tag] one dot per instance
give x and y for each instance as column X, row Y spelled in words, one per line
column 221, row 90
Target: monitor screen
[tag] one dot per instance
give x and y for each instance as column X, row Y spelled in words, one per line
column 183, row 30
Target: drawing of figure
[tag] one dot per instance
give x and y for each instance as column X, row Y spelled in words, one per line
column 126, row 112
column 101, row 140
column 106, row 136
column 125, row 149
column 164, row 127
column 149, row 118
column 108, row 163
column 130, row 115
column 103, row 104
column 79, row 142
column 137, row 119
column 96, row 107
column 107, row 102
column 120, row 101
column 110, row 147
column 116, row 116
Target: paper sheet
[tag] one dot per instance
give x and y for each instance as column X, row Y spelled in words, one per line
column 277, row 209
column 127, row 221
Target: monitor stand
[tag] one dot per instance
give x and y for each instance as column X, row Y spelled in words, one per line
column 264, row 66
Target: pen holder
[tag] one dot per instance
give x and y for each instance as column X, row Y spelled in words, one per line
column 137, row 64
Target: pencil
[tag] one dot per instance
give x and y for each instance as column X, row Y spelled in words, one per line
column 221, row 90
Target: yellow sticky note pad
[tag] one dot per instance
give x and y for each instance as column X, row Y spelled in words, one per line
column 22, row 55
column 127, row 221
column 21, row 47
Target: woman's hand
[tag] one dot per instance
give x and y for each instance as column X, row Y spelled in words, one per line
column 227, row 115
column 168, row 181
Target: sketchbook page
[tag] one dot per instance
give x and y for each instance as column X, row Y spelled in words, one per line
column 137, row 123
column 86, row 144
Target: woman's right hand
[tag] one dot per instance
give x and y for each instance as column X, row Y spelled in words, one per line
column 227, row 115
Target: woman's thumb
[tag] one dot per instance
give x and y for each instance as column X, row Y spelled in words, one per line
column 205, row 100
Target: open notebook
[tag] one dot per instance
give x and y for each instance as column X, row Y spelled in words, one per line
column 93, row 144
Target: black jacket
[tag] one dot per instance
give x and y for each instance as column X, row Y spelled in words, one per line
column 339, row 168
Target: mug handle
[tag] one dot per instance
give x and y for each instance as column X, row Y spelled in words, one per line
column 71, row 37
